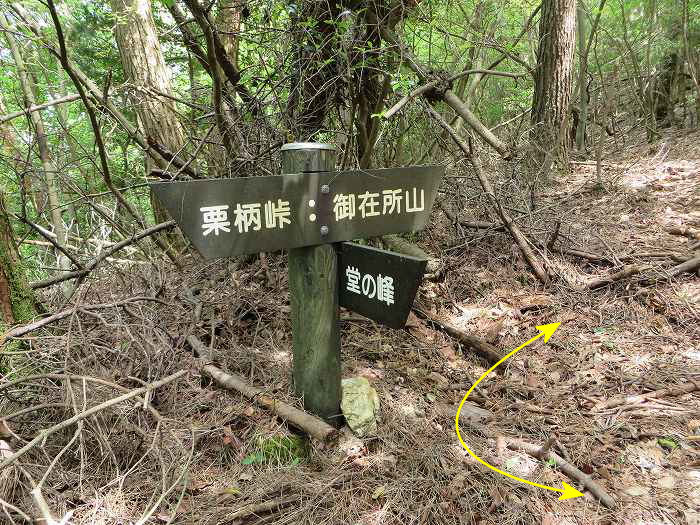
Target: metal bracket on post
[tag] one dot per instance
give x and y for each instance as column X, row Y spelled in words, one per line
column 313, row 296
column 324, row 208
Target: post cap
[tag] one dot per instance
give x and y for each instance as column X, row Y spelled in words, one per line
column 306, row 145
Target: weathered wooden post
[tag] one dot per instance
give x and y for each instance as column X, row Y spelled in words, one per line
column 313, row 291
column 311, row 210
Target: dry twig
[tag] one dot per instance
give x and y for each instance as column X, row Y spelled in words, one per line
column 6, row 462
column 312, row 425
column 567, row 468
column 687, row 388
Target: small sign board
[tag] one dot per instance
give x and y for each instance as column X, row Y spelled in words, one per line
column 378, row 284
column 227, row 217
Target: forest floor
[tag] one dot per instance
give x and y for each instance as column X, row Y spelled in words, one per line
column 632, row 337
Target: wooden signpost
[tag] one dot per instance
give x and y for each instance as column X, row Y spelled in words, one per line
column 378, row 284
column 310, row 209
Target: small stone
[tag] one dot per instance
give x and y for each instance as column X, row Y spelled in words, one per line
column 437, row 378
column 379, row 492
column 408, row 411
column 388, row 461
column 636, row 490
column 360, row 406
column 667, row 482
column 430, row 397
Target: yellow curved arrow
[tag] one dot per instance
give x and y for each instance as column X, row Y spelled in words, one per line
column 567, row 491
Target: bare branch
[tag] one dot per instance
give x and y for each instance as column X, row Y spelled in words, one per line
column 6, row 462
column 37, row 107
column 507, row 221
column 103, row 256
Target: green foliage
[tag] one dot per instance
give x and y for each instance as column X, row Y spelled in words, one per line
column 278, row 450
column 447, row 36
column 668, row 443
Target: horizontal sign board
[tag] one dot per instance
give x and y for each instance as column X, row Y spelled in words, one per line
column 226, row 217
column 378, row 284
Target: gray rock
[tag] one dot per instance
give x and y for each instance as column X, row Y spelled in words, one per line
column 360, row 406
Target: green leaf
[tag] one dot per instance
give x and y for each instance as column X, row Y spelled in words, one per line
column 667, row 443
column 256, row 457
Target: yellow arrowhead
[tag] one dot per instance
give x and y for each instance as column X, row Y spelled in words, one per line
column 569, row 491
column 548, row 330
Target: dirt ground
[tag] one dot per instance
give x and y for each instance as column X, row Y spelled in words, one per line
column 632, row 337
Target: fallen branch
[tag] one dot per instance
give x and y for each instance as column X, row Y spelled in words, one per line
column 265, row 506
column 684, row 231
column 474, row 225
column 19, row 331
column 45, row 516
column 406, row 98
column 479, row 346
column 627, row 271
column 43, row 434
column 310, row 424
column 396, row 243
column 673, row 391
column 49, row 236
column 567, row 468
column 70, row 377
column 443, row 86
column 689, row 266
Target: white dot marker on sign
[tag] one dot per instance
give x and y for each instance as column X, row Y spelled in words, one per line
column 312, row 217
column 312, row 203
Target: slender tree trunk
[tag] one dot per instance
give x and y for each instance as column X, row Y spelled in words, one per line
column 582, row 69
column 16, row 299
column 314, row 81
column 145, row 69
column 50, row 175
column 9, row 142
column 550, row 105
column 228, row 25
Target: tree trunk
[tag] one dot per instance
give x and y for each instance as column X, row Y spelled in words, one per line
column 8, row 141
column 28, row 91
column 16, row 299
column 582, row 67
column 315, row 77
column 664, row 100
column 550, row 104
column 145, row 69
column 228, row 25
